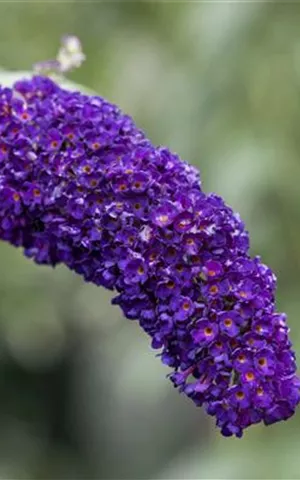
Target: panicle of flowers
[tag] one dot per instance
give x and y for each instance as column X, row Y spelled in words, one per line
column 80, row 184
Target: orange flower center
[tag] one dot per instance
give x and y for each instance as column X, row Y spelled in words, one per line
column 260, row 391
column 240, row 395
column 208, row 331
column 262, row 362
column 214, row 289
column 163, row 218
column 243, row 294
column 227, row 322
column 16, row 197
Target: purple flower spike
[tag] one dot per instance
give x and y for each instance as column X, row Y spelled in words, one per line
column 80, row 184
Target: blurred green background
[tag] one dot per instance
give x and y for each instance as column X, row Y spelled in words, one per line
column 82, row 394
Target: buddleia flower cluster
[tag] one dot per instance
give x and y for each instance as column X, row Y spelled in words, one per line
column 81, row 185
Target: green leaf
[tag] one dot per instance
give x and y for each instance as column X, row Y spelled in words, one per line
column 7, row 79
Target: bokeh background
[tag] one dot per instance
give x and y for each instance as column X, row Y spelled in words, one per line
column 81, row 393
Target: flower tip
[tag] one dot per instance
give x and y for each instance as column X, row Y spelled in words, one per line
column 71, row 43
column 70, row 54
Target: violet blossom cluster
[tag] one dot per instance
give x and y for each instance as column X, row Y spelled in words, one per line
column 81, row 185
